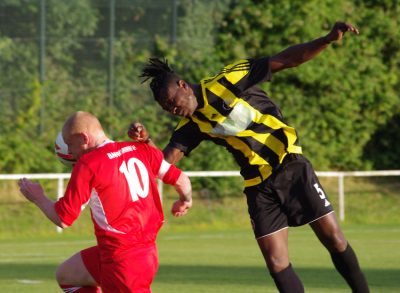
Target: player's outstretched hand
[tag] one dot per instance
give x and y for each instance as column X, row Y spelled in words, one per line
column 138, row 132
column 338, row 31
column 31, row 190
column 180, row 208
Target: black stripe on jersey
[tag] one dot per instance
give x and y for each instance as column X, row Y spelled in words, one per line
column 262, row 150
column 218, row 104
column 202, row 117
column 277, row 133
column 258, row 99
column 246, row 170
column 227, row 84
column 280, row 134
column 260, row 128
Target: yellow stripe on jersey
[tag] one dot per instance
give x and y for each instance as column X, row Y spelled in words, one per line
column 204, row 127
column 243, row 67
column 265, row 172
column 240, row 118
column 290, row 133
column 252, row 181
column 222, row 92
column 211, row 114
column 237, row 125
column 271, row 142
column 182, row 122
column 272, row 122
column 254, row 158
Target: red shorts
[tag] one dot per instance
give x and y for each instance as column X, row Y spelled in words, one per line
column 133, row 271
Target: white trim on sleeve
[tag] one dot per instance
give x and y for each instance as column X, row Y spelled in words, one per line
column 163, row 169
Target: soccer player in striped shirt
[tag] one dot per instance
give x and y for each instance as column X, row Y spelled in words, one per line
column 118, row 181
column 281, row 186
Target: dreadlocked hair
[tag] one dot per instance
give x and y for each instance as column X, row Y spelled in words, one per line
column 160, row 74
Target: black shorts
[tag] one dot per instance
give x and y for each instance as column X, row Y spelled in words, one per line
column 291, row 196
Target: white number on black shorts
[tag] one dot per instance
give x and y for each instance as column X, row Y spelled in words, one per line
column 321, row 194
column 137, row 177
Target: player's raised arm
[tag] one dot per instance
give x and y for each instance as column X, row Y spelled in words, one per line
column 298, row 54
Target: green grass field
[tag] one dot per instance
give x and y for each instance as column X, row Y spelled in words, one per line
column 212, row 248
column 214, row 261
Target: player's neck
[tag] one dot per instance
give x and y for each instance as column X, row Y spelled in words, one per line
column 198, row 94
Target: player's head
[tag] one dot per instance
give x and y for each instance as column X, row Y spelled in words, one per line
column 172, row 93
column 82, row 132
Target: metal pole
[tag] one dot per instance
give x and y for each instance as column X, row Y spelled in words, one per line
column 42, row 56
column 341, row 197
column 174, row 21
column 110, row 82
column 60, row 193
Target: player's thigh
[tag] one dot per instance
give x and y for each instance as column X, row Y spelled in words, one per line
column 302, row 196
column 75, row 271
column 134, row 272
column 274, row 248
column 265, row 210
column 329, row 233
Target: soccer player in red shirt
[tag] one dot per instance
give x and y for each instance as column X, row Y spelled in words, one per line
column 118, row 181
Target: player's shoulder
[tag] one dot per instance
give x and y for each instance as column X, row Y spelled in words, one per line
column 122, row 147
column 103, row 150
column 235, row 66
column 141, row 148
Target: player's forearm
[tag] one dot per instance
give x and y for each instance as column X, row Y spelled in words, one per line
column 184, row 188
column 47, row 207
column 298, row 54
column 172, row 155
column 150, row 142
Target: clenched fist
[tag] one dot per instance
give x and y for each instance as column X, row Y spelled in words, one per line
column 138, row 132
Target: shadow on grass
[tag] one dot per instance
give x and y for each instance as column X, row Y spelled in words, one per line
column 311, row 277
column 210, row 275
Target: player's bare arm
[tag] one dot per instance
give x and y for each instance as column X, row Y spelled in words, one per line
column 298, row 54
column 172, row 155
column 35, row 193
column 184, row 189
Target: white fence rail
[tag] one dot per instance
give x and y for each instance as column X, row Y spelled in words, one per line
column 340, row 175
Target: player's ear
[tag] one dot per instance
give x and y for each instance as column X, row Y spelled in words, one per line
column 182, row 83
column 85, row 137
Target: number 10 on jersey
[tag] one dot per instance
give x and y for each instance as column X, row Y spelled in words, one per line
column 137, row 177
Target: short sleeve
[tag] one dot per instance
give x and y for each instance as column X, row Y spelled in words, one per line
column 169, row 173
column 186, row 137
column 259, row 71
column 76, row 195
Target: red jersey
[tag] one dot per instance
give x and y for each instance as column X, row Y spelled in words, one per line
column 118, row 181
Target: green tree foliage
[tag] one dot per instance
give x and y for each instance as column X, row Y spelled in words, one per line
column 344, row 103
column 382, row 150
column 338, row 100
column 76, row 74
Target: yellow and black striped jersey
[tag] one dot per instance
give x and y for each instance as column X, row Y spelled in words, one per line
column 238, row 115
